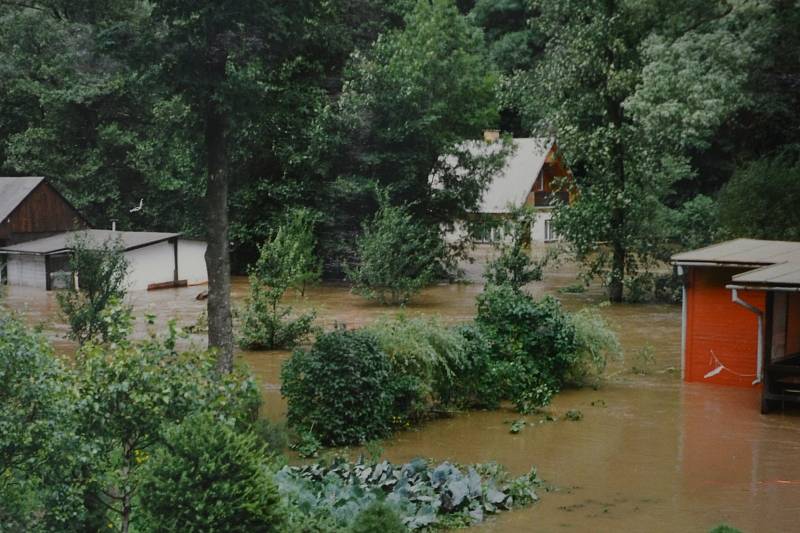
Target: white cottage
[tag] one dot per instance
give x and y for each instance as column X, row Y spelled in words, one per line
column 155, row 260
column 529, row 178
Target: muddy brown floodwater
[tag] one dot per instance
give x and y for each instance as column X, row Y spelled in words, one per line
column 650, row 454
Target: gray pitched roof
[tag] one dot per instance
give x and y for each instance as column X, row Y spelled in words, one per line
column 743, row 252
column 510, row 187
column 13, row 191
column 782, row 274
column 778, row 261
column 95, row 238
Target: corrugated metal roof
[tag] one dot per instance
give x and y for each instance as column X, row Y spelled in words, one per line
column 13, row 191
column 743, row 252
column 95, row 237
column 510, row 187
column 787, row 274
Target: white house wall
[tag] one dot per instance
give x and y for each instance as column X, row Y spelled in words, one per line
column 150, row 264
column 192, row 261
column 538, row 234
column 26, row 271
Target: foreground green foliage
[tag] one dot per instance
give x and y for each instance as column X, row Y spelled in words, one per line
column 74, row 440
column 340, row 389
column 94, row 309
column 397, row 256
column 209, row 478
column 38, row 447
column 424, row 496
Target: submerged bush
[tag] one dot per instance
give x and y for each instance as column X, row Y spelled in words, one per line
column 476, row 379
column 397, row 256
column 94, row 310
column 340, row 389
column 209, row 478
column 595, row 343
column 286, row 261
column 532, row 343
column 266, row 324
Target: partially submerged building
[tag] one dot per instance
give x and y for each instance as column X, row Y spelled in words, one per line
column 741, row 317
column 532, row 176
column 38, row 229
column 155, row 260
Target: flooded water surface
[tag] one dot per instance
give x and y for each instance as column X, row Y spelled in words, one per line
column 650, row 454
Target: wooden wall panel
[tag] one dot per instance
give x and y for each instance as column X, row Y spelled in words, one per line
column 44, row 212
column 720, row 331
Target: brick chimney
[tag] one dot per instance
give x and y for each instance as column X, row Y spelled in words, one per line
column 491, row 136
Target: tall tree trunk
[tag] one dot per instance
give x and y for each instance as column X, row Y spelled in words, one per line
column 616, row 283
column 218, row 262
column 615, row 113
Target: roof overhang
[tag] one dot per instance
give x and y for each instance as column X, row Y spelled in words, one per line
column 725, row 264
column 59, row 246
column 775, row 288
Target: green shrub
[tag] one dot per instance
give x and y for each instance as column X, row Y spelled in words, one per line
column 378, row 518
column 94, row 310
column 273, row 435
column 37, row 435
column 340, row 389
column 267, row 325
column 475, row 383
column 397, row 256
column 668, row 288
column 724, row 528
column 514, row 266
column 595, row 343
column 209, row 478
column 532, row 343
column 286, row 261
column 639, row 288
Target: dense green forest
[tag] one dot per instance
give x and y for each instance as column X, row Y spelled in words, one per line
column 653, row 104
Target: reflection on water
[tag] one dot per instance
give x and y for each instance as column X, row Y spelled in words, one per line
column 650, row 454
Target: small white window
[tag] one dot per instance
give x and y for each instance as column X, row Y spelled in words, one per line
column 549, row 234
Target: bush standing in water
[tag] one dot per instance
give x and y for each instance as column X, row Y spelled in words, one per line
column 397, row 256
column 288, row 260
column 514, row 266
column 94, row 308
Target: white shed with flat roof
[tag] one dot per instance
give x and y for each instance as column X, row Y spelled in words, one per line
column 155, row 260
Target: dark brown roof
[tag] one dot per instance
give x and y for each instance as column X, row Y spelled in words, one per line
column 13, row 191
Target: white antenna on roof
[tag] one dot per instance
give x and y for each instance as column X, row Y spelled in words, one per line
column 138, row 207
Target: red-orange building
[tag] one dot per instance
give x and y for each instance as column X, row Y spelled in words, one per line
column 741, row 317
